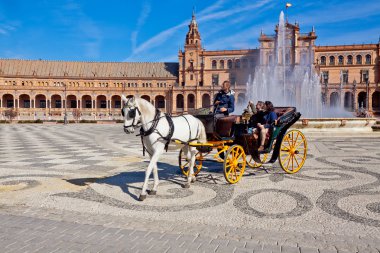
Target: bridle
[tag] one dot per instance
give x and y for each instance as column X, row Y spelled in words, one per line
column 131, row 114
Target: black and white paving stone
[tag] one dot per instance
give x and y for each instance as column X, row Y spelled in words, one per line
column 87, row 178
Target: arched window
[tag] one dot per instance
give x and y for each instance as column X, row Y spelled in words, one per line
column 340, row 59
column 229, row 64
column 323, row 60
column 349, row 59
column 179, row 103
column 221, row 64
column 160, row 102
column 368, row 59
column 332, row 60
column 237, row 64
column 213, row 64
column 191, row 101
column 359, row 59
column 206, row 101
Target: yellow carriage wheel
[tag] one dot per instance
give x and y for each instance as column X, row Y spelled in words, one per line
column 234, row 164
column 253, row 164
column 293, row 151
column 184, row 163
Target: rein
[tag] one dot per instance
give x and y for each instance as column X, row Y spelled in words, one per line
column 153, row 128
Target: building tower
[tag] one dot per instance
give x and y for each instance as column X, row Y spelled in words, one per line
column 190, row 60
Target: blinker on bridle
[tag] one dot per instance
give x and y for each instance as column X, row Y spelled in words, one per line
column 131, row 114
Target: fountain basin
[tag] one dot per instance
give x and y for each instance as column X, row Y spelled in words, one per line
column 336, row 124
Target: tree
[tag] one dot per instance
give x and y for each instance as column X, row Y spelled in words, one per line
column 11, row 114
column 77, row 114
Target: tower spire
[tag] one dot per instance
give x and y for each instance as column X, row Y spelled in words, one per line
column 193, row 37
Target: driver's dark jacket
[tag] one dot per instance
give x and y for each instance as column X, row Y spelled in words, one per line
column 227, row 100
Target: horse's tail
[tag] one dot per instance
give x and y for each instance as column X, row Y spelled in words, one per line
column 202, row 137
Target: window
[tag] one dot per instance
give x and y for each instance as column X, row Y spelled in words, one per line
column 367, row 59
column 26, row 103
column 332, row 60
column 245, row 63
column 237, row 64
column 191, row 77
column 323, row 60
column 215, row 79
column 358, row 59
column 364, row 76
column 270, row 59
column 325, row 77
column 88, row 104
column 213, row 64
column 229, row 64
column 252, row 63
column 103, row 104
column 349, row 59
column 58, row 104
column 345, row 76
column 221, row 64
column 10, row 103
column 73, row 104
column 340, row 60
column 117, row 104
column 232, row 79
column 42, row 103
column 287, row 58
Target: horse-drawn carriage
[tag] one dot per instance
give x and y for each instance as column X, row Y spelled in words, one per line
column 236, row 147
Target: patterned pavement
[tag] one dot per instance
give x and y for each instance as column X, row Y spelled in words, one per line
column 74, row 188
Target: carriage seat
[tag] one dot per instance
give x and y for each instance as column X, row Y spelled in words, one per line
column 223, row 126
column 280, row 111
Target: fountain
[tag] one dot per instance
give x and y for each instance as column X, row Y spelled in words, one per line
column 288, row 84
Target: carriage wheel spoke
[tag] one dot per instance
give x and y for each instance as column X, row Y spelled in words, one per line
column 287, row 166
column 288, row 140
column 295, row 158
column 292, row 162
column 300, row 156
column 287, row 158
column 295, row 140
column 292, row 138
column 298, row 144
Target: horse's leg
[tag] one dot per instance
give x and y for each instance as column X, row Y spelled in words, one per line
column 192, row 151
column 156, row 181
column 152, row 163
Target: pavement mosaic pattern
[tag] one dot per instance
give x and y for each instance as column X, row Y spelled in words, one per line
column 90, row 176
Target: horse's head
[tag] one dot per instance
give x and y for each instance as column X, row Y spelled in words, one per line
column 131, row 114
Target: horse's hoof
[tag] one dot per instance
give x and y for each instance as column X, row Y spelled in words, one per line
column 142, row 197
column 151, row 192
column 186, row 185
column 193, row 179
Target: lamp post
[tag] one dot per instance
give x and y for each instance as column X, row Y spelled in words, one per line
column 65, row 117
column 367, row 97
column 354, row 94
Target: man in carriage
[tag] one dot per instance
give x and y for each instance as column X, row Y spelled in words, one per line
column 224, row 102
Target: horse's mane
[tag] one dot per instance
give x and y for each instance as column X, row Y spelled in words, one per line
column 145, row 107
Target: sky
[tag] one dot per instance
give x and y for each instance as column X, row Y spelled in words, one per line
column 154, row 30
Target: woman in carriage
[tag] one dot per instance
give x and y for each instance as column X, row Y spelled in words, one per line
column 270, row 119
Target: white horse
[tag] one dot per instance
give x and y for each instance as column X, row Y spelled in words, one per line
column 157, row 131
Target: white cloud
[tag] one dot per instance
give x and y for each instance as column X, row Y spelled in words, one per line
column 203, row 16
column 145, row 11
column 6, row 28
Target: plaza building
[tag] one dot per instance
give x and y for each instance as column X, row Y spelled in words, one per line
column 47, row 89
